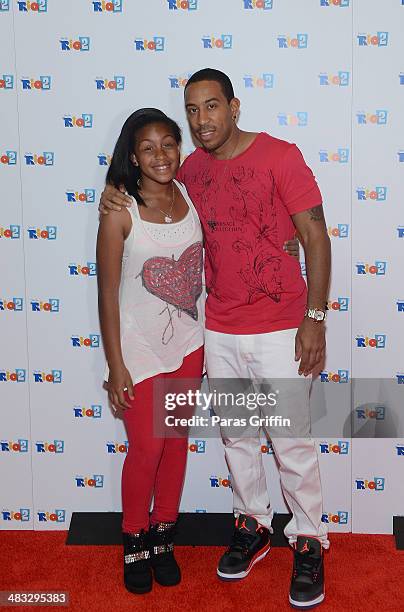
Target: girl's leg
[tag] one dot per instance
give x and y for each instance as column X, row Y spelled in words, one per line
column 143, row 458
column 171, row 469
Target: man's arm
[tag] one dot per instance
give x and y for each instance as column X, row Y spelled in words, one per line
column 113, row 199
column 310, row 338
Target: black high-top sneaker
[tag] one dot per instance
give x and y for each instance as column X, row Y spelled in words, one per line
column 165, row 567
column 307, row 584
column 138, row 577
column 250, row 544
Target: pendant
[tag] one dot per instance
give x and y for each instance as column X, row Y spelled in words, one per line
column 168, row 219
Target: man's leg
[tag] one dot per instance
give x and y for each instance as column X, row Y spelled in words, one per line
column 226, row 370
column 250, row 494
column 273, row 363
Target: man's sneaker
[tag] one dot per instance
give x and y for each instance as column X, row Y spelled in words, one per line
column 307, row 584
column 250, row 543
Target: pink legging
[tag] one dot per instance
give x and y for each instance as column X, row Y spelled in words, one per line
column 154, row 465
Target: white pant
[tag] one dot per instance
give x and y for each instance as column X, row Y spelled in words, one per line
column 271, row 356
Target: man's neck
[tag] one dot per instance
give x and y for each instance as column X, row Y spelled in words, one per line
column 237, row 143
column 228, row 148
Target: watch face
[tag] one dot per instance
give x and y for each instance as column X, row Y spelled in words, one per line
column 319, row 315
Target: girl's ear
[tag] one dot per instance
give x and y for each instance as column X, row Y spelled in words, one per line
column 133, row 159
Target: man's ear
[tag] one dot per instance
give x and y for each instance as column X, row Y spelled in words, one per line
column 235, row 108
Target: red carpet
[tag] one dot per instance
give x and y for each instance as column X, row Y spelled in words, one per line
column 363, row 573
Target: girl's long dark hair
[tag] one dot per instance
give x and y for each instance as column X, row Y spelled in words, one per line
column 122, row 171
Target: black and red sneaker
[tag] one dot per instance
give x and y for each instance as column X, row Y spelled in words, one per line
column 250, row 544
column 307, row 584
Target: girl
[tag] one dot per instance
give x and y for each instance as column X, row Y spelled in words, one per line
column 151, row 314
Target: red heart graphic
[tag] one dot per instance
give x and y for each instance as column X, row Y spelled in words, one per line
column 177, row 282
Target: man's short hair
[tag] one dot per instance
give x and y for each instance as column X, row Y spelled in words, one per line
column 211, row 74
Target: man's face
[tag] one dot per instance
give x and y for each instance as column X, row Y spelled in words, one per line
column 210, row 115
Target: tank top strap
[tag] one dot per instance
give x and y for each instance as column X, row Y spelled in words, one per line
column 133, row 210
column 188, row 200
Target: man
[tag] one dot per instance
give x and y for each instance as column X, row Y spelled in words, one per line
column 252, row 192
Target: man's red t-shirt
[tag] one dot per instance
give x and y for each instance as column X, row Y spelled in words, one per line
column 245, row 206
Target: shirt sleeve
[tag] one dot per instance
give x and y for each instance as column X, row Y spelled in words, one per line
column 295, row 182
column 181, row 174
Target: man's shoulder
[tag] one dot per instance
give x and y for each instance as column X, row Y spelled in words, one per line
column 278, row 153
column 193, row 159
column 275, row 145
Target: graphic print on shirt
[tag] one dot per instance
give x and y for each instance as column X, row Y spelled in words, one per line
column 176, row 282
column 252, row 194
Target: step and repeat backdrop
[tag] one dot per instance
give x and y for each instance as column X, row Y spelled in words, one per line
column 325, row 74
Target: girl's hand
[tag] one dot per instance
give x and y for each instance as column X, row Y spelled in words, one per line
column 292, row 247
column 119, row 383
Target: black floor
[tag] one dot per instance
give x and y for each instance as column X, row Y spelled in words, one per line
column 193, row 529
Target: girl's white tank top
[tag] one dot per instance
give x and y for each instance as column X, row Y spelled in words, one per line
column 162, row 293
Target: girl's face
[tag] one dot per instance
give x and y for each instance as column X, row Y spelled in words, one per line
column 156, row 152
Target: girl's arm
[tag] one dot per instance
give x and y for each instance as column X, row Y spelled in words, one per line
column 112, row 231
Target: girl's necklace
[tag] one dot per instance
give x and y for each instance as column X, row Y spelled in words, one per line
column 168, row 216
